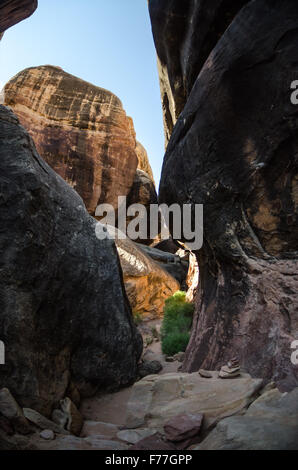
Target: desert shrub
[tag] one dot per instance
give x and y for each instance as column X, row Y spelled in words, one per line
column 176, row 325
column 175, row 342
column 137, row 318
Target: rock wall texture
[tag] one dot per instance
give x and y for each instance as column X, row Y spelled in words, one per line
column 79, row 129
column 270, row 423
column 234, row 149
column 175, row 265
column 157, row 398
column 192, row 280
column 143, row 160
column 143, row 192
column 65, row 319
column 185, row 34
column 14, row 11
column 147, row 283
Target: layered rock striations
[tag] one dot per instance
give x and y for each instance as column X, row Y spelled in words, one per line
column 79, row 129
column 234, row 150
column 65, row 319
column 148, row 283
column 84, row 134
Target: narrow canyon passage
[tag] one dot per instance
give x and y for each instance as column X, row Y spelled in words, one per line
column 117, row 331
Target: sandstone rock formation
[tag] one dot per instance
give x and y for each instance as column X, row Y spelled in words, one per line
column 143, row 161
column 65, row 318
column 157, row 398
column 14, row 11
column 184, row 34
column 143, row 192
column 234, row 150
column 79, row 129
column 271, row 422
column 147, row 284
column 177, row 267
column 192, row 280
column 183, row 427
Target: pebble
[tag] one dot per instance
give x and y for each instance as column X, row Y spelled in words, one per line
column 231, row 370
column 228, row 375
column 47, row 434
column 169, row 359
column 205, row 373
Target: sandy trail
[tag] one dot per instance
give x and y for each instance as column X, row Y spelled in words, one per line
column 111, row 408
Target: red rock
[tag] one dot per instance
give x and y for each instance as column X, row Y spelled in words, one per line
column 81, row 130
column 154, row 442
column 183, row 427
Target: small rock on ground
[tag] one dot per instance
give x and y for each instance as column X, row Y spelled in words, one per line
column 205, row 373
column 47, row 435
column 183, row 426
column 149, row 368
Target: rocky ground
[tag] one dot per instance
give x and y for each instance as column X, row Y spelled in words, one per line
column 169, row 410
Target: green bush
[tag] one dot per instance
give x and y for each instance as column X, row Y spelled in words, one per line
column 175, row 342
column 176, row 325
column 137, row 318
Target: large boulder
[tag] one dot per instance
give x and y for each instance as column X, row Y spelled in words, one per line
column 14, row 11
column 143, row 192
column 271, row 423
column 234, row 150
column 65, row 319
column 147, row 283
column 176, row 266
column 157, row 398
column 184, row 34
column 79, row 129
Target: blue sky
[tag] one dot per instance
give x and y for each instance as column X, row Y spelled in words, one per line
column 106, row 42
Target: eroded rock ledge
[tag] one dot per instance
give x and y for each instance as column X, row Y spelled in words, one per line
column 79, row 129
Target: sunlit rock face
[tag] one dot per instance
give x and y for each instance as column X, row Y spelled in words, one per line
column 192, row 280
column 147, row 283
column 143, row 161
column 234, row 149
column 80, row 130
column 14, row 11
